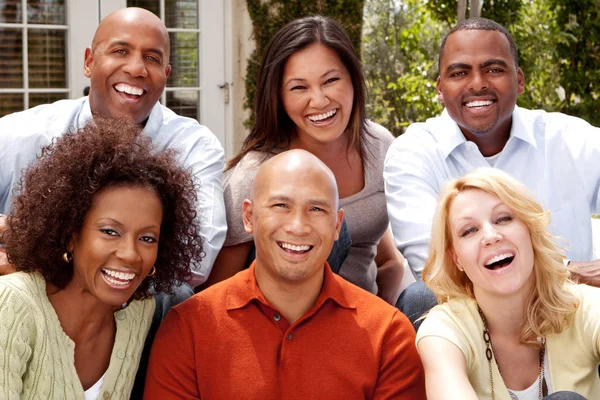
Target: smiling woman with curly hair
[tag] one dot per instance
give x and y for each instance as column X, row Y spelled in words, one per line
column 100, row 218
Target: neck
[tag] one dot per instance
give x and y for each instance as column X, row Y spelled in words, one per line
column 504, row 315
column 335, row 150
column 82, row 316
column 292, row 299
column 492, row 142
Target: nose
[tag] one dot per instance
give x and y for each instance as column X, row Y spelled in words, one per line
column 478, row 81
column 319, row 98
column 128, row 250
column 135, row 66
column 490, row 235
column 297, row 224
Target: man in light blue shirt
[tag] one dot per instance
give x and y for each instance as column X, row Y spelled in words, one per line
column 555, row 155
column 128, row 66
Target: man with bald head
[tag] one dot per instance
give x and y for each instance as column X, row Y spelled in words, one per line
column 287, row 327
column 128, row 66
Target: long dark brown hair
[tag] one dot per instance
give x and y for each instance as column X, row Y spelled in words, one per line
column 273, row 128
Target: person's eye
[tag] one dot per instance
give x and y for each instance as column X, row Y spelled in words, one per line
column 468, row 231
column 298, row 87
column 495, row 70
column 315, row 208
column 120, row 51
column 331, row 80
column 149, row 239
column 457, row 74
column 153, row 59
column 109, row 232
column 280, row 205
column 504, row 219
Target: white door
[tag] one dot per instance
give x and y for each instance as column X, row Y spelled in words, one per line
column 42, row 47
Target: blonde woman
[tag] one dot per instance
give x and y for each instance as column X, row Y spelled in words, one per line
column 509, row 324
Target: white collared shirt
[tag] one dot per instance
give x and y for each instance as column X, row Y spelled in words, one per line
column 554, row 155
column 23, row 134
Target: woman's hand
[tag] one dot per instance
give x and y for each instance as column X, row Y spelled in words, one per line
column 390, row 268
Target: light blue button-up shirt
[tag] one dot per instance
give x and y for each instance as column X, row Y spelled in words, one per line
column 23, row 134
column 554, row 155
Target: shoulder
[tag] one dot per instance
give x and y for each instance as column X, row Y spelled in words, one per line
column 420, row 136
column 557, row 124
column 170, row 126
column 21, row 297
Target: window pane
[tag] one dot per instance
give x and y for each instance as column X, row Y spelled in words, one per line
column 184, row 59
column 184, row 102
column 47, row 59
column 10, row 11
column 10, row 103
column 11, row 58
column 35, row 99
column 46, row 12
column 150, row 5
column 181, row 14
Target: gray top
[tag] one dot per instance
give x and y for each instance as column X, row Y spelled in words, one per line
column 365, row 211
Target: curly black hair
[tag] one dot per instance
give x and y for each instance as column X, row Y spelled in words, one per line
column 56, row 192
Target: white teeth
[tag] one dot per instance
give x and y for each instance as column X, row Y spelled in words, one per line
column 479, row 103
column 294, row 247
column 124, row 276
column 320, row 117
column 499, row 257
column 121, row 87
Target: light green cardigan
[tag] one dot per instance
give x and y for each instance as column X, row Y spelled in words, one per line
column 573, row 355
column 37, row 357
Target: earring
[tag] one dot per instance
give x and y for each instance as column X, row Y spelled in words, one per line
column 152, row 271
column 67, row 257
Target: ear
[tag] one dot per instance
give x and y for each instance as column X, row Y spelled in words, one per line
column 438, row 87
column 338, row 224
column 247, row 213
column 455, row 258
column 88, row 60
column 168, row 70
column 520, row 81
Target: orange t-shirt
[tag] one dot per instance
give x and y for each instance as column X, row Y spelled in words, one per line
column 228, row 342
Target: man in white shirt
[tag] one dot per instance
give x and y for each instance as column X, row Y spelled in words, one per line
column 128, row 66
column 555, row 155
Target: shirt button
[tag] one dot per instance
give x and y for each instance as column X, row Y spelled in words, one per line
column 289, row 336
column 120, row 315
column 276, row 317
column 121, row 354
column 106, row 395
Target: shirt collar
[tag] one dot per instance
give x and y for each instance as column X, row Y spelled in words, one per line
column 243, row 290
column 449, row 135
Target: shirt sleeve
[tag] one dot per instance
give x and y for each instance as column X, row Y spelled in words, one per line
column 16, row 335
column 411, row 196
column 207, row 161
column 171, row 370
column 401, row 373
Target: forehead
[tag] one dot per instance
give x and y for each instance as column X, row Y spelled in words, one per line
column 300, row 184
column 476, row 46
column 472, row 202
column 137, row 32
column 314, row 59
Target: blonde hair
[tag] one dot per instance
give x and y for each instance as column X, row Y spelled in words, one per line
column 551, row 306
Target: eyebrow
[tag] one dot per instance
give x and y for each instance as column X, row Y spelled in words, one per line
column 485, row 64
column 288, row 199
column 304, row 80
column 127, row 44
column 120, row 224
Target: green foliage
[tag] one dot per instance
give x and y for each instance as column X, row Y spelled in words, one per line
column 578, row 56
column 399, row 51
column 268, row 16
column 559, row 53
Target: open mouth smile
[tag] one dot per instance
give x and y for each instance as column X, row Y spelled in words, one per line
column 117, row 278
column 294, row 248
column 323, row 118
column 500, row 261
column 131, row 92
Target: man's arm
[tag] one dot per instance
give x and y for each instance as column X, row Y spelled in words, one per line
column 401, row 373
column 171, row 370
column 411, row 197
column 207, row 163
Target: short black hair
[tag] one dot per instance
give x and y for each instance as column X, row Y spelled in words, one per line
column 480, row 24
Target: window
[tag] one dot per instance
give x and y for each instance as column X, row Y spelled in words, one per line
column 33, row 53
